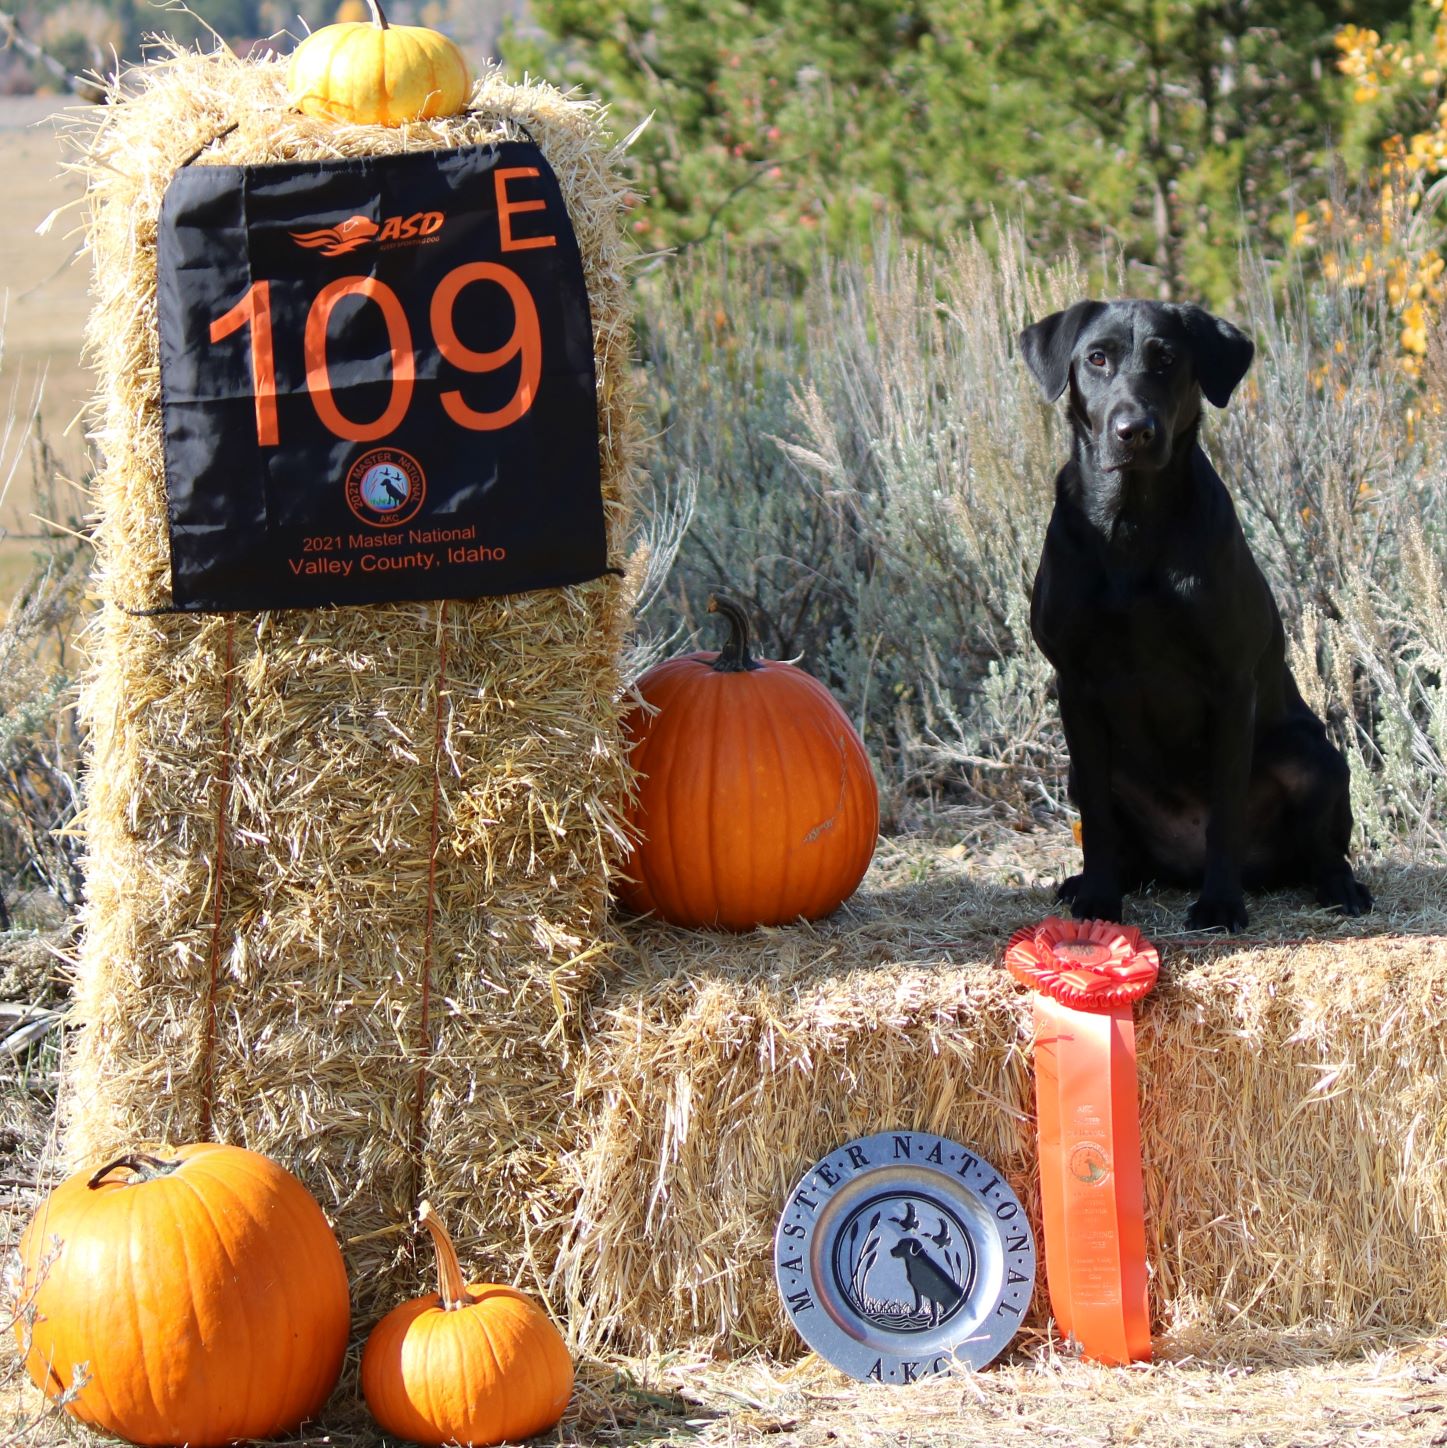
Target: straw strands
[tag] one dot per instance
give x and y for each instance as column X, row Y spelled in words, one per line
column 1293, row 1130
column 1396, row 1397
column 347, row 868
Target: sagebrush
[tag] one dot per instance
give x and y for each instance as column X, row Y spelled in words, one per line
column 874, row 469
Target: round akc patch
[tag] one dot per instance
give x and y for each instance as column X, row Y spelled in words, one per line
column 904, row 1255
column 385, row 487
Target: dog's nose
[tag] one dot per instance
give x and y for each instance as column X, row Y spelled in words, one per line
column 1136, row 431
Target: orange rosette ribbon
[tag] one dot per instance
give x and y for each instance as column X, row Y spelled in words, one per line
column 1087, row 976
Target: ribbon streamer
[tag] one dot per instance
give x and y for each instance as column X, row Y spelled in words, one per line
column 1087, row 976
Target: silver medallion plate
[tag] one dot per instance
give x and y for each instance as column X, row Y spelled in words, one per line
column 903, row 1255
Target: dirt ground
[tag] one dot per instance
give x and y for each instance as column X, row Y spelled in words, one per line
column 1394, row 1401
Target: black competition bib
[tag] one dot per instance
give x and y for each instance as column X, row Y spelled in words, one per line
column 377, row 381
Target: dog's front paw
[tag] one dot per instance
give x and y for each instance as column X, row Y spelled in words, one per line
column 1217, row 912
column 1088, row 901
column 1339, row 889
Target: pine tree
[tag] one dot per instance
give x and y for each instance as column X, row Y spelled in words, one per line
column 1159, row 127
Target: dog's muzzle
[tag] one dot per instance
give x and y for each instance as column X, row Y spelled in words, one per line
column 1133, row 438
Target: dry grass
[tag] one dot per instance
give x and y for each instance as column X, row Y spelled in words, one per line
column 44, row 302
column 1396, row 1398
column 1038, row 1397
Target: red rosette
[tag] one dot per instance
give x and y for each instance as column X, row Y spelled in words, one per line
column 1090, row 965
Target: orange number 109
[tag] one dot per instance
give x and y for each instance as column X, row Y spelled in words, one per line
column 525, row 343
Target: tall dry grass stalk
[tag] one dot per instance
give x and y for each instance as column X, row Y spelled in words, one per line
column 40, row 743
column 1336, row 456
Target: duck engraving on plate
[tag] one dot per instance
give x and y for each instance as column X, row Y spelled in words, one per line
column 904, row 1255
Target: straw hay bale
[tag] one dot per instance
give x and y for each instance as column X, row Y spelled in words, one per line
column 1294, row 1129
column 347, row 867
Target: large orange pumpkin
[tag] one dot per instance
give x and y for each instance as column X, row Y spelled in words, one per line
column 475, row 1364
column 205, row 1293
column 756, row 804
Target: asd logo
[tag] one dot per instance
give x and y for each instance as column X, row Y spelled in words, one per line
column 358, row 231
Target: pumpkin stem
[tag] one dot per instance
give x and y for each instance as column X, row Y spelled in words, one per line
column 146, row 1167
column 379, row 16
column 734, row 657
column 450, row 1286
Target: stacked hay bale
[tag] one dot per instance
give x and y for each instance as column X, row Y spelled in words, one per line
column 1293, row 1128
column 347, row 867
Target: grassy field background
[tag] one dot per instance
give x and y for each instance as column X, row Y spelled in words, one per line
column 44, row 284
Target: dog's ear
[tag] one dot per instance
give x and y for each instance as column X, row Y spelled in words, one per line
column 1049, row 344
column 1221, row 352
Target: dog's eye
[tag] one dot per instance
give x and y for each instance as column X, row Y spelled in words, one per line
column 1096, row 358
column 1165, row 358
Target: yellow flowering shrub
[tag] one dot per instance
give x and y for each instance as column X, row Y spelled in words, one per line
column 1397, row 243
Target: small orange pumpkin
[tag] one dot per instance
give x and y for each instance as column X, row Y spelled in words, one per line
column 475, row 1364
column 756, row 803
column 374, row 73
column 205, row 1293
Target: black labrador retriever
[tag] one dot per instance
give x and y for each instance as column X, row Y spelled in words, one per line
column 1193, row 758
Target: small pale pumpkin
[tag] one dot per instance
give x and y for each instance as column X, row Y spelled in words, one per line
column 756, row 803
column 205, row 1293
column 374, row 73
column 474, row 1364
